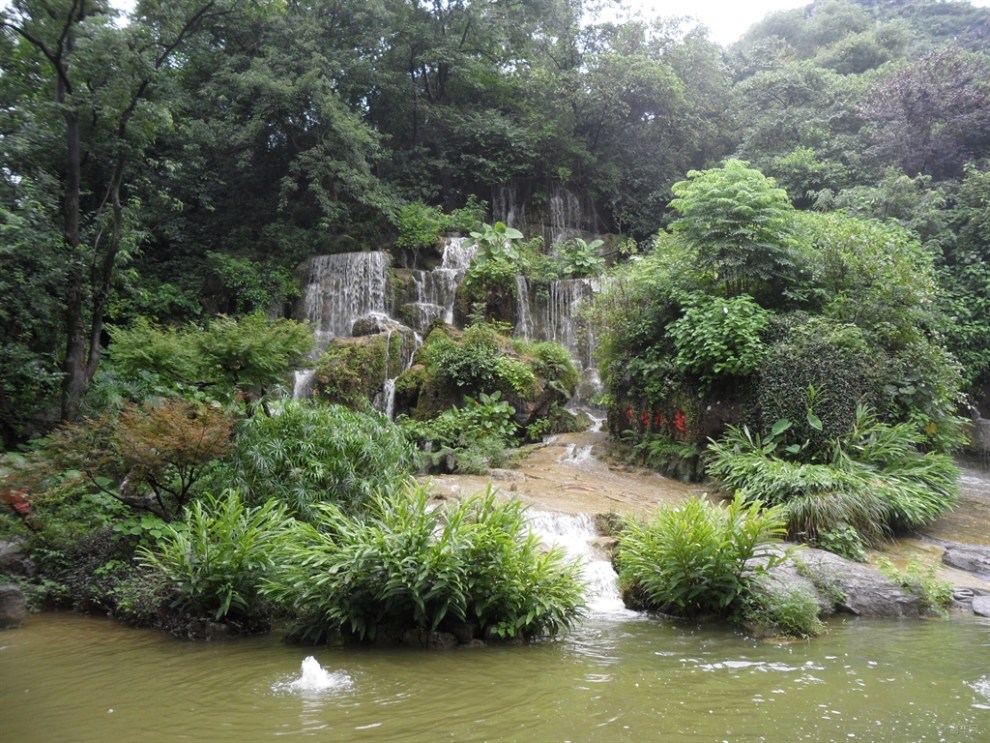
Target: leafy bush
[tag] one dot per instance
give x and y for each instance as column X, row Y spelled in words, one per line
column 922, row 580
column 164, row 446
column 791, row 612
column 420, row 226
column 246, row 355
column 831, row 359
column 719, row 337
column 692, row 559
column 577, row 258
column 469, row 439
column 875, row 480
column 310, row 454
column 215, row 562
column 406, row 564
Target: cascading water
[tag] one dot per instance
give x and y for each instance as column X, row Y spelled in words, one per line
column 574, row 534
column 341, row 288
column 557, row 316
column 338, row 290
column 437, row 289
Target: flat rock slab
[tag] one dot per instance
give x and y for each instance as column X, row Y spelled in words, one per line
column 981, row 606
column 972, row 558
column 842, row 585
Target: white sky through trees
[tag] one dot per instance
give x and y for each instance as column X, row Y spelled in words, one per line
column 726, row 20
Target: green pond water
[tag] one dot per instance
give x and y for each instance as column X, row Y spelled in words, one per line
column 621, row 678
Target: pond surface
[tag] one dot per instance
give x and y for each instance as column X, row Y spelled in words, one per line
column 615, row 678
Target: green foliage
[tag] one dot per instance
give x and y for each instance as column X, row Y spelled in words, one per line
column 827, row 359
column 692, row 559
column 552, row 362
column 468, row 439
column 738, row 222
column 578, row 258
column 311, row 454
column 790, row 612
column 874, row 480
column 248, row 354
column 214, row 563
column 922, row 580
column 159, row 450
column 719, row 337
column 253, row 286
column 406, row 564
column 420, row 226
column 844, row 541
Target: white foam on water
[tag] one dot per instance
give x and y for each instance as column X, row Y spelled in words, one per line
column 315, row 679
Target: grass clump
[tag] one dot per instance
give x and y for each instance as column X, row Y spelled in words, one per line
column 311, row 454
column 214, row 559
column 692, row 560
column 873, row 480
column 407, row 565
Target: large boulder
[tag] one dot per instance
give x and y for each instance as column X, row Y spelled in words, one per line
column 12, row 606
column 14, row 559
column 969, row 557
column 841, row 585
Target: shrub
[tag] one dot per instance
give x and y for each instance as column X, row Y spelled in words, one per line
column 468, row 439
column 922, row 580
column 313, row 453
column 830, row 358
column 875, row 480
column 578, row 258
column 719, row 337
column 163, row 447
column 215, row 562
column 692, row 560
column 406, row 564
column 787, row 611
column 420, row 226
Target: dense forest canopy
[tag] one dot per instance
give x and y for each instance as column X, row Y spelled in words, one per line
column 180, row 163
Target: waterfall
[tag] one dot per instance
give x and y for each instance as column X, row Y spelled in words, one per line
column 558, row 317
column 566, row 215
column 437, row 289
column 340, row 289
column 524, row 322
column 574, row 535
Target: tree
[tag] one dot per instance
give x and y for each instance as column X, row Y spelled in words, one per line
column 933, row 116
column 101, row 78
column 162, row 447
column 737, row 221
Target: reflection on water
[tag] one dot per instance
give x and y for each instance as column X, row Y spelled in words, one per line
column 70, row 678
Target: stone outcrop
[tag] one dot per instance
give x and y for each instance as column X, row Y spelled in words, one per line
column 14, row 559
column 12, row 607
column 969, row 557
column 842, row 586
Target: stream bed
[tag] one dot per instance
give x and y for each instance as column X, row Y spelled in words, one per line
column 65, row 677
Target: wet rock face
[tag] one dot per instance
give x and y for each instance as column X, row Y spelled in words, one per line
column 12, row 607
column 969, row 557
column 841, row 585
column 14, row 559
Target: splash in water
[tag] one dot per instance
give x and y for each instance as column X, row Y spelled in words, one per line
column 314, row 678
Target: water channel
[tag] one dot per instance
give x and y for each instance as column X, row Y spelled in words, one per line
column 632, row 678
column 619, row 677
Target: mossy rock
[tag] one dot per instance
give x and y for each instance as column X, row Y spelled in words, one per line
column 352, row 371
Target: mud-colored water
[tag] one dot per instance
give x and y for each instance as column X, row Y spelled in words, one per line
column 86, row 680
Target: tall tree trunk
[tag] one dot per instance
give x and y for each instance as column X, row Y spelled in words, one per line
column 74, row 364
